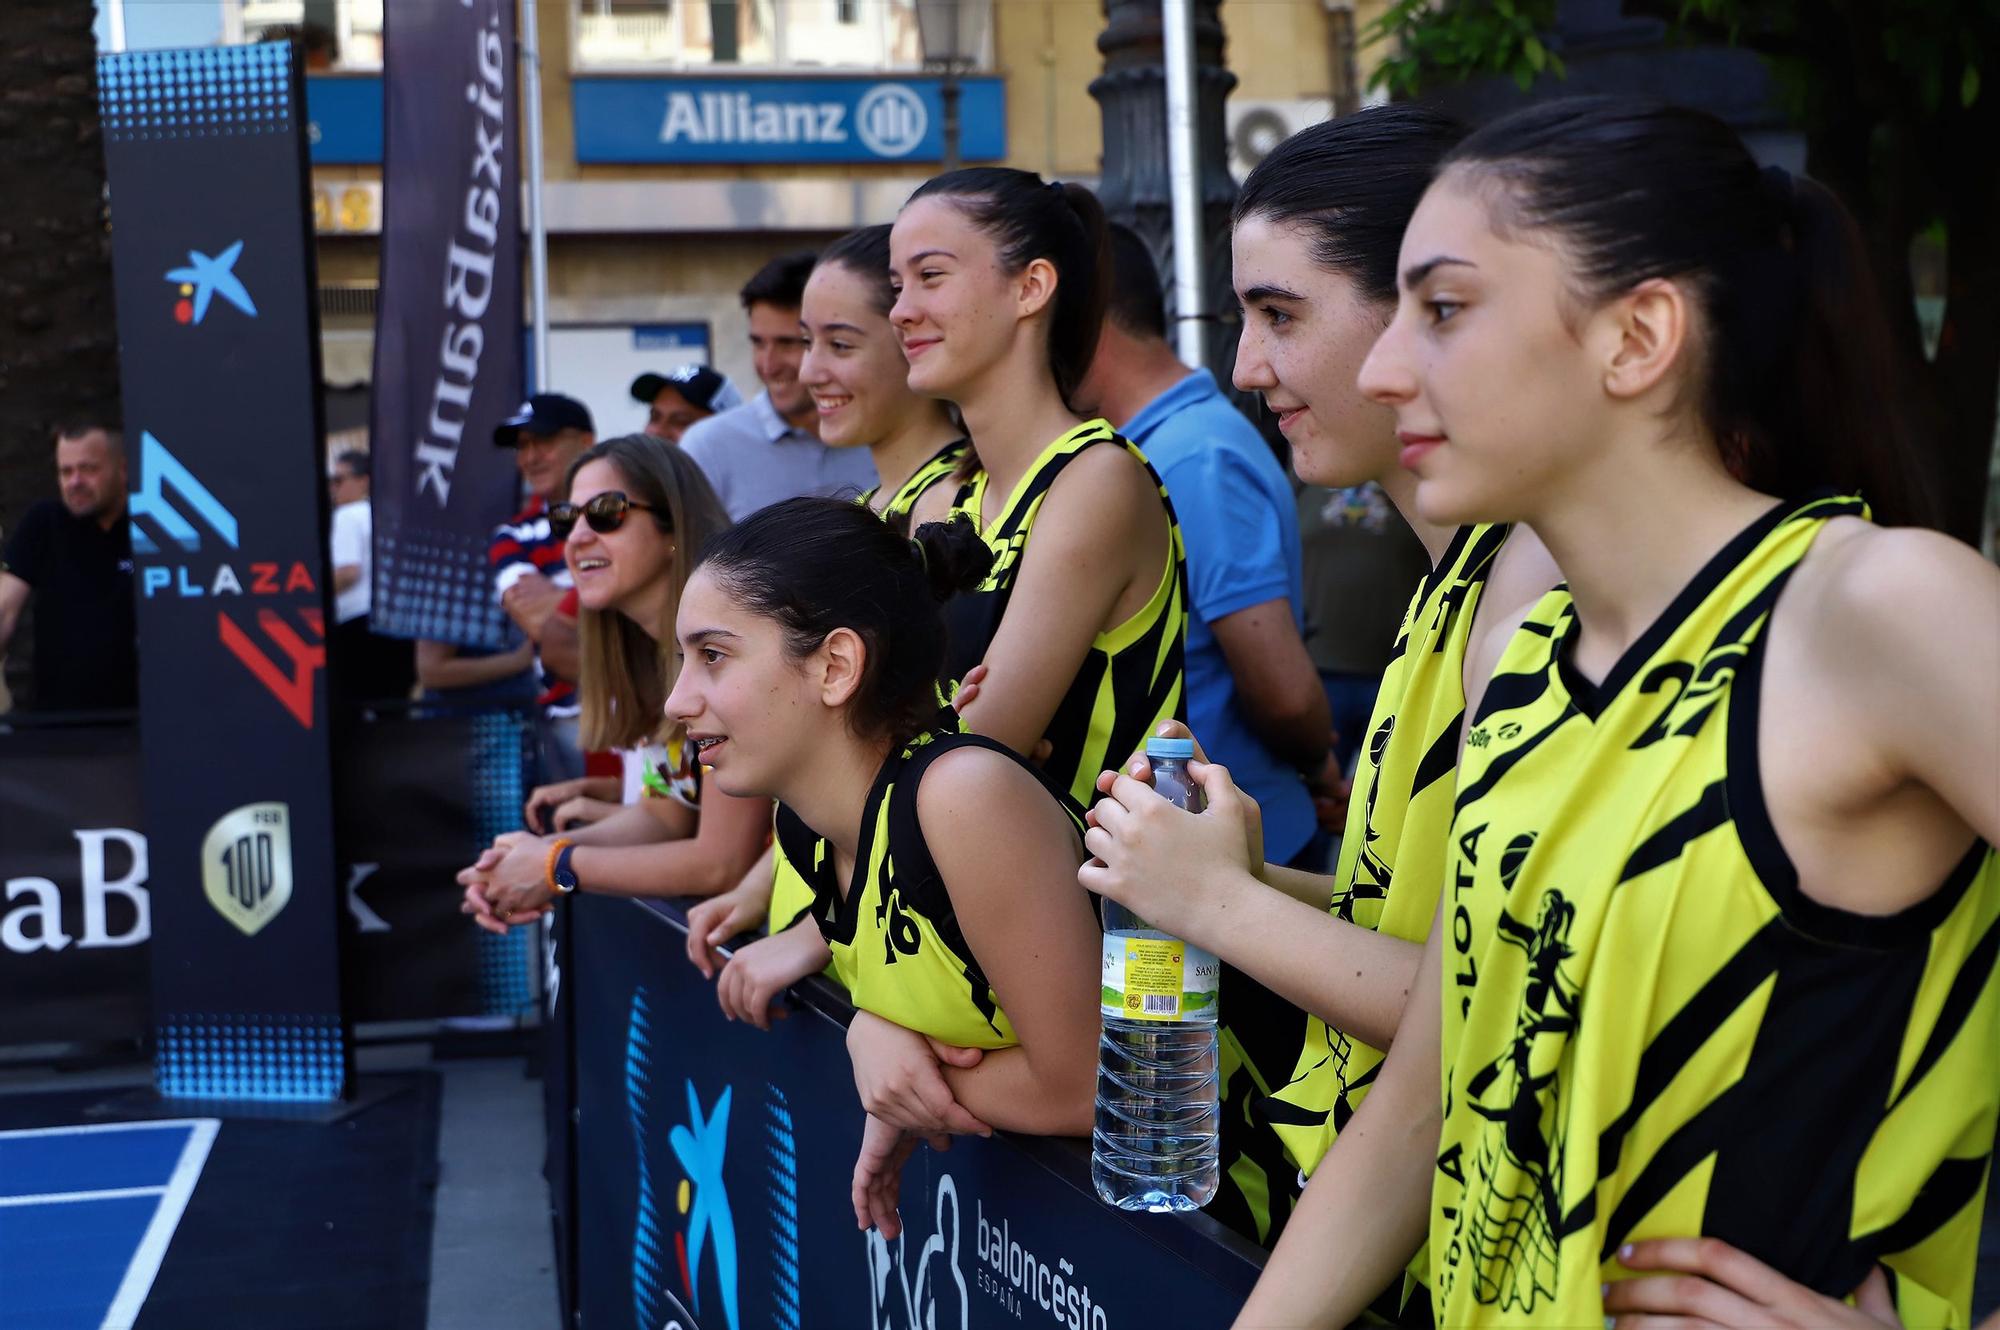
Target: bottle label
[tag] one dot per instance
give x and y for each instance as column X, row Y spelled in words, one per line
column 1158, row 979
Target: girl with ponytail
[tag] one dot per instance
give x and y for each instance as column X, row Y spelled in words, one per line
column 1000, row 299
column 813, row 639
column 1716, row 965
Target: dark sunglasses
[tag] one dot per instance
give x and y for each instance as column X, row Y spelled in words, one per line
column 605, row 512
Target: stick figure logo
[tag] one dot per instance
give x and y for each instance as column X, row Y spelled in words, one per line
column 1511, row 1231
column 937, row 1298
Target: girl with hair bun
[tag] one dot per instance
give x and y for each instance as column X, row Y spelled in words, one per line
column 636, row 518
column 859, row 381
column 813, row 641
column 1000, row 298
column 1721, row 913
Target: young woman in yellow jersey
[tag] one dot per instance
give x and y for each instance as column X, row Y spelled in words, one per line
column 859, row 381
column 637, row 516
column 943, row 864
column 999, row 279
column 1726, row 962
column 1316, row 233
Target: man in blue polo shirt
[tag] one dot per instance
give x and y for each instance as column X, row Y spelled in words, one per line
column 1254, row 698
column 768, row 449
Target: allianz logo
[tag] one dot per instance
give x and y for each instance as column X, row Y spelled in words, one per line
column 890, row 119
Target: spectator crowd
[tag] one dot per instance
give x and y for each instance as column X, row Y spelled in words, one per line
column 1597, row 752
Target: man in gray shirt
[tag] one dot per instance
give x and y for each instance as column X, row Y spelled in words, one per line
column 768, row 449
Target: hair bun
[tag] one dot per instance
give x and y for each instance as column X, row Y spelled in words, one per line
column 953, row 557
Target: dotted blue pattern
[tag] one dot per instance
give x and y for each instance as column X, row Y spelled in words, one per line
column 646, row 1248
column 271, row 1059
column 500, row 750
column 435, row 585
column 213, row 92
column 782, row 1163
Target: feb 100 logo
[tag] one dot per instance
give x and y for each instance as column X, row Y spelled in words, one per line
column 246, row 865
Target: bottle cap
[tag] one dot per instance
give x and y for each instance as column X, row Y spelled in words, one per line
column 1181, row 748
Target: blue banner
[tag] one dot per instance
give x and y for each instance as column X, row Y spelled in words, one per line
column 212, row 262
column 448, row 327
column 344, row 119
column 712, row 1167
column 783, row 120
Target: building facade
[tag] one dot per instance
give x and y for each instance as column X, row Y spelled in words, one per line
column 684, row 143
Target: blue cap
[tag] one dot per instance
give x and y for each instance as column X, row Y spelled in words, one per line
column 544, row 414
column 1181, row 748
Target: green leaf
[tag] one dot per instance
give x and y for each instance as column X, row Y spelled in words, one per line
column 1968, row 87
column 1538, row 57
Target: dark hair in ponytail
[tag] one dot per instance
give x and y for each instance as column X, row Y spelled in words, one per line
column 1031, row 219
column 1797, row 381
column 815, row 565
column 1352, row 184
column 865, row 253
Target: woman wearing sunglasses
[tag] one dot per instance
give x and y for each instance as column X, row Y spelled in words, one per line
column 637, row 517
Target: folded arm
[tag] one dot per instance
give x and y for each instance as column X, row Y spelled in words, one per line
column 1008, row 855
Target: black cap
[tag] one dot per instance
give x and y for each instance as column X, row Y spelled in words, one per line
column 544, row 414
column 698, row 383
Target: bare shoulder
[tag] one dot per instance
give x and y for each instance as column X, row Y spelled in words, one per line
column 1108, row 485
column 1872, row 592
column 975, row 803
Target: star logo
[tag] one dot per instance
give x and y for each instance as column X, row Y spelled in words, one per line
column 701, row 1145
column 206, row 278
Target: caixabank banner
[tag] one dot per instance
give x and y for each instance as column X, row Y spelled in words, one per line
column 712, row 1169
column 217, row 328
column 448, row 339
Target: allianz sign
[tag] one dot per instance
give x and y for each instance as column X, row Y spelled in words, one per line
column 889, row 120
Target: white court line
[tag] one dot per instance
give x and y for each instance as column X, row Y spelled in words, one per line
column 152, row 1250
column 64, row 1197
column 86, row 1129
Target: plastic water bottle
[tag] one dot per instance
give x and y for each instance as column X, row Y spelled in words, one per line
column 1154, row 1143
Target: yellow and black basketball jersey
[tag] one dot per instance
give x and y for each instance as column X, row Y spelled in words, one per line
column 1398, row 823
column 894, row 936
column 791, row 895
column 1650, row 1030
column 1134, row 675
column 939, row 468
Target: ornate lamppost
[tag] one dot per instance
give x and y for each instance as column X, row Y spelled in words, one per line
column 953, row 33
column 1136, row 187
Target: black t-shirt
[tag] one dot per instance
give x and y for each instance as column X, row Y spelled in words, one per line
column 86, row 653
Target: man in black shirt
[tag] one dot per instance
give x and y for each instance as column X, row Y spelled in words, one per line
column 75, row 559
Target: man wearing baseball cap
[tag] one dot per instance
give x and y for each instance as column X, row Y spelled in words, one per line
column 681, row 397
column 530, row 576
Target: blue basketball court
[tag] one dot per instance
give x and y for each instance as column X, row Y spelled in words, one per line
column 86, row 1214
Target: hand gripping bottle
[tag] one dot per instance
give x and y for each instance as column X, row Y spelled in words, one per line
column 1154, row 1144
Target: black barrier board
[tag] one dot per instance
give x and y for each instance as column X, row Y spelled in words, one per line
column 713, row 1164
column 76, row 913
column 448, row 328
column 75, row 916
